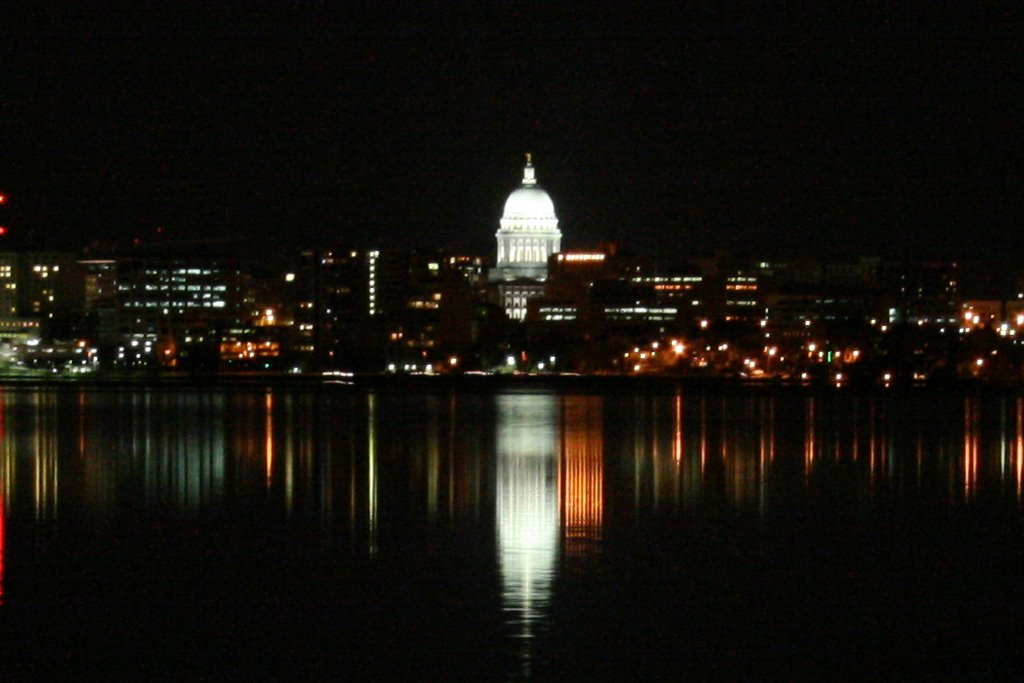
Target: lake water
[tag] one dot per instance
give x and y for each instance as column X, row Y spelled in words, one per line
column 343, row 532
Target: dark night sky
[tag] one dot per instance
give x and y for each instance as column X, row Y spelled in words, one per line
column 782, row 134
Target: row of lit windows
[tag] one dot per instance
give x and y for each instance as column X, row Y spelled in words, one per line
column 641, row 312
column 176, row 304
column 186, row 288
column 659, row 279
column 181, row 271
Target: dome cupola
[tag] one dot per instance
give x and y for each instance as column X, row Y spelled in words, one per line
column 529, row 201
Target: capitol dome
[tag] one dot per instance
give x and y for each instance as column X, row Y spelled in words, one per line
column 529, row 202
column 529, row 207
column 527, row 237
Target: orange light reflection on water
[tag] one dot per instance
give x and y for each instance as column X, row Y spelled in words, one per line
column 581, row 475
column 1019, row 455
column 268, row 428
column 677, row 441
column 810, row 445
column 970, row 462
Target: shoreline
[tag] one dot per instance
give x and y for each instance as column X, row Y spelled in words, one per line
column 562, row 382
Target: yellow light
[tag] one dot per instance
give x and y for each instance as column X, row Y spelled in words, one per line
column 453, row 361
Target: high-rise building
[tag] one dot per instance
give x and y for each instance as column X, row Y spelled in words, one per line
column 527, row 236
column 40, row 292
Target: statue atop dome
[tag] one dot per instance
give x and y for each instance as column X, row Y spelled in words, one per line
column 528, row 177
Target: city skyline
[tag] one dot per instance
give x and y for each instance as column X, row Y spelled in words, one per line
column 788, row 135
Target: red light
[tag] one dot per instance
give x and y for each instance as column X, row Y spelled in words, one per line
column 3, row 199
column 3, row 230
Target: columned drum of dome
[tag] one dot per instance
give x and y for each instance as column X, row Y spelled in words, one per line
column 527, row 236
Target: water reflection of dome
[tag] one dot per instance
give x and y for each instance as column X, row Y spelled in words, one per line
column 527, row 510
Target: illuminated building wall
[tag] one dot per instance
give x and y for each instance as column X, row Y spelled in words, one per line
column 169, row 309
column 150, row 290
column 742, row 300
column 685, row 291
column 42, row 287
column 100, row 281
column 926, row 292
column 344, row 302
column 437, row 316
column 8, row 284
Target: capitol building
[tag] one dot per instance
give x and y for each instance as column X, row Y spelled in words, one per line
column 527, row 236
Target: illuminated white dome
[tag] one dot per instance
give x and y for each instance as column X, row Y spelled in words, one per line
column 528, row 203
column 529, row 208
